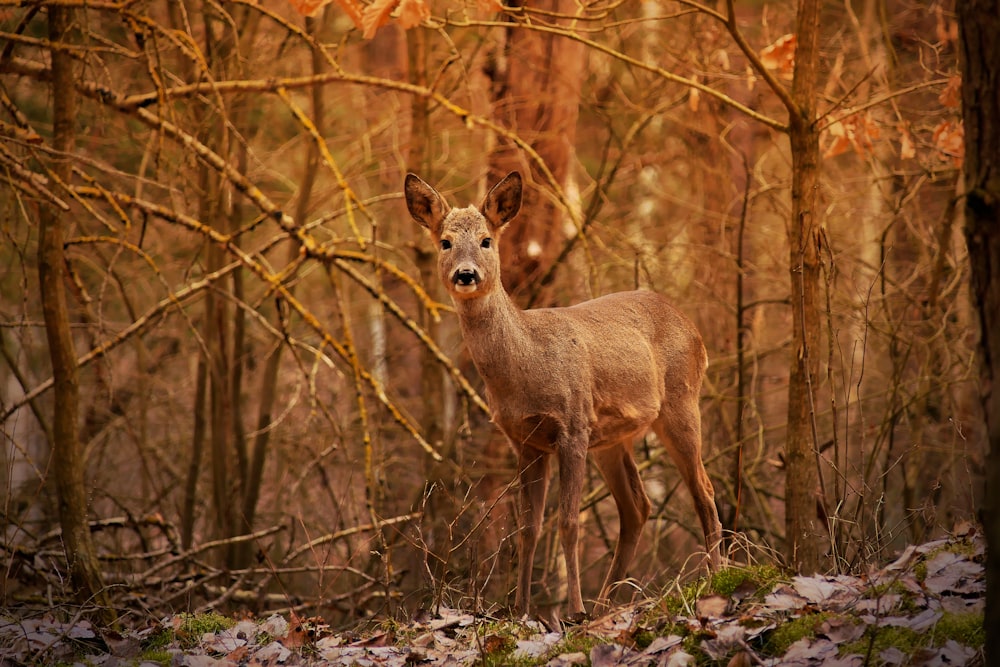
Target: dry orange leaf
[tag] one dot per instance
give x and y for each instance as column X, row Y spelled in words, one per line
column 353, row 10
column 376, row 15
column 311, row 7
column 694, row 97
column 489, row 6
column 858, row 132
column 907, row 147
column 949, row 140
column 412, row 13
column 951, row 96
column 308, row 7
column 780, row 56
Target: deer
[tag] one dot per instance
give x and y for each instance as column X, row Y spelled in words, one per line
column 567, row 382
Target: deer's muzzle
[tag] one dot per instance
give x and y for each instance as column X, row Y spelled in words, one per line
column 465, row 279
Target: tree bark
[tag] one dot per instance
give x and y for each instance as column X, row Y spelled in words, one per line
column 979, row 25
column 67, row 456
column 536, row 95
column 806, row 536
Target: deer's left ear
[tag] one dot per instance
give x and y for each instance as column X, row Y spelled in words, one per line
column 504, row 201
column 425, row 204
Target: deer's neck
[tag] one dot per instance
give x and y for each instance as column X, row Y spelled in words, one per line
column 494, row 331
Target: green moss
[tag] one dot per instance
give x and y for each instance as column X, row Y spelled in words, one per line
column 724, row 582
column 764, row 577
column 788, row 633
column 966, row 629
column 575, row 642
column 644, row 637
column 158, row 656
column 498, row 649
column 193, row 627
column 158, row 640
column 959, row 547
column 877, row 639
column 908, row 601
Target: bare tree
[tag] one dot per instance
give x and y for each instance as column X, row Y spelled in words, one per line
column 67, row 455
column 979, row 23
column 806, row 537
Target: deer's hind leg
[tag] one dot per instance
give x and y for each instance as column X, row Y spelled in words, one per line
column 617, row 466
column 679, row 428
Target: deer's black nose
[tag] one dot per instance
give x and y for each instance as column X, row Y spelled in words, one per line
column 466, row 277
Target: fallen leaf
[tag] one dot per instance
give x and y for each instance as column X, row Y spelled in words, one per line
column 727, row 638
column 784, row 598
column 711, row 606
column 661, row 644
column 839, row 629
column 808, row 651
column 746, row 589
column 814, row 589
column 273, row 652
column 275, row 625
column 741, row 659
column 568, row 660
column 680, row 659
column 948, row 573
column 608, row 655
column 537, row 646
column 892, row 656
column 964, row 529
column 879, row 605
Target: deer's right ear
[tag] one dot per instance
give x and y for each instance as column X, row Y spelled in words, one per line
column 504, row 200
column 426, row 206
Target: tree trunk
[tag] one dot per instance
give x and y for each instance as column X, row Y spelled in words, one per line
column 67, row 457
column 806, row 536
column 537, row 96
column 979, row 25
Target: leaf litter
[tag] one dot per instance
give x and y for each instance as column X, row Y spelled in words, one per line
column 914, row 594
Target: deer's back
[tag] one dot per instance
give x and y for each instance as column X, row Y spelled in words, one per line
column 611, row 362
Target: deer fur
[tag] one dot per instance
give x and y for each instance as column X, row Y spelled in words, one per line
column 563, row 383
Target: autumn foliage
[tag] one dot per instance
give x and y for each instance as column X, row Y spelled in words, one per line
column 276, row 408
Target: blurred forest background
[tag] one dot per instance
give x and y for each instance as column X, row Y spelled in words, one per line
column 261, row 399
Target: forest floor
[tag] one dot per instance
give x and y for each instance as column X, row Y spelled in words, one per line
column 925, row 608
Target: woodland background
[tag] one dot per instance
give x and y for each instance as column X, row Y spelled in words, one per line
column 273, row 406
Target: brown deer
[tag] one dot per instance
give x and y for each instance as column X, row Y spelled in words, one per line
column 566, row 382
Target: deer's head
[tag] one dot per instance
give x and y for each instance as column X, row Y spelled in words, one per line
column 467, row 238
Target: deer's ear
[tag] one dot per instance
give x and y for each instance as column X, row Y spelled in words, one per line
column 426, row 206
column 504, row 201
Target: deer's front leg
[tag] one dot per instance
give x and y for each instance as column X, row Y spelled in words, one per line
column 533, row 467
column 572, row 470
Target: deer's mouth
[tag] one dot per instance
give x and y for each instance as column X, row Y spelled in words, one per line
column 465, row 281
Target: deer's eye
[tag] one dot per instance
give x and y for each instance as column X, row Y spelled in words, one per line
column 486, row 243
column 445, row 244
